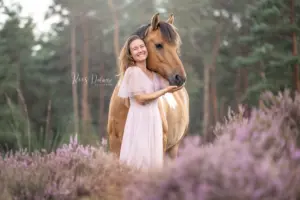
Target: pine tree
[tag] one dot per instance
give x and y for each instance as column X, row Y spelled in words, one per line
column 270, row 47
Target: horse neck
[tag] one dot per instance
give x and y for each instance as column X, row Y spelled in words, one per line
column 119, row 81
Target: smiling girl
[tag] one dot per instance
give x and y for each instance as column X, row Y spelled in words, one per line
column 142, row 143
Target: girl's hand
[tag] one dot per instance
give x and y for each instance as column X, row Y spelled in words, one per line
column 173, row 88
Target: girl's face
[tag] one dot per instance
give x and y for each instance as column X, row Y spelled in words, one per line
column 138, row 50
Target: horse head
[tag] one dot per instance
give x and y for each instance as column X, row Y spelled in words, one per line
column 163, row 44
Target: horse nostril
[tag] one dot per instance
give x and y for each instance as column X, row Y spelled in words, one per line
column 176, row 79
column 179, row 79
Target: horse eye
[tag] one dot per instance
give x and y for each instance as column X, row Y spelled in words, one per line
column 159, row 46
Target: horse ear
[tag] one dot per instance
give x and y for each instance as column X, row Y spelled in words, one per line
column 171, row 19
column 155, row 21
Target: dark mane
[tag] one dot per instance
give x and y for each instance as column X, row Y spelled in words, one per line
column 168, row 32
column 141, row 31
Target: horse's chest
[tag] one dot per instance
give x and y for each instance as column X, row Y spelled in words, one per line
column 174, row 107
column 170, row 100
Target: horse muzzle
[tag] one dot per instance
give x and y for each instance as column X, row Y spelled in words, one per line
column 177, row 80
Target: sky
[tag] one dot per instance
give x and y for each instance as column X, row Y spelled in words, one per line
column 36, row 9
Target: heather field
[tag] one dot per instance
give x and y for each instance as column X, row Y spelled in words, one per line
column 59, row 66
column 254, row 158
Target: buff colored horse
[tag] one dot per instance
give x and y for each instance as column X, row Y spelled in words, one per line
column 163, row 44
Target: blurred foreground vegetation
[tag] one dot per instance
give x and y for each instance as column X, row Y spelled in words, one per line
column 252, row 158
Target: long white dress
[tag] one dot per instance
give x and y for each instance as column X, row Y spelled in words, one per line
column 142, row 143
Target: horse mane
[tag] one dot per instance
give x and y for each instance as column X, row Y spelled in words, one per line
column 141, row 31
column 167, row 30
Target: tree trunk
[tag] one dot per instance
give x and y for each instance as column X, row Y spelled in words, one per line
column 296, row 82
column 48, row 123
column 74, row 72
column 18, row 76
column 238, row 87
column 215, row 53
column 214, row 101
column 101, row 106
column 207, row 70
column 245, row 80
column 222, row 109
column 116, row 30
column 206, row 106
column 86, row 117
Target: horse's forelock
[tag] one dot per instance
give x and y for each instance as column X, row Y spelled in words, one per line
column 167, row 30
column 141, row 31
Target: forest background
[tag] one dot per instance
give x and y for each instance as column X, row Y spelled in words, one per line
column 232, row 51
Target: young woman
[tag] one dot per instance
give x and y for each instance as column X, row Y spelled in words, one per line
column 142, row 143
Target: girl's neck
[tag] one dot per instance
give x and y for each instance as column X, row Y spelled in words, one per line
column 142, row 65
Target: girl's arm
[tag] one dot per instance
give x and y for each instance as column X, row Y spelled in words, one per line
column 145, row 98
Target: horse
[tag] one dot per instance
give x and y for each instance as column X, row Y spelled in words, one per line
column 163, row 44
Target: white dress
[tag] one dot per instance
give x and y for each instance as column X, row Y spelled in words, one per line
column 142, row 143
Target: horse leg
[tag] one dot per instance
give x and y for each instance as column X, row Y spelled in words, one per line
column 164, row 125
column 173, row 151
column 114, row 137
column 117, row 113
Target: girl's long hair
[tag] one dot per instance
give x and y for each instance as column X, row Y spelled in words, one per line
column 125, row 58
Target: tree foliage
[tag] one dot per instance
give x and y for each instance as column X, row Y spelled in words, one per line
column 254, row 54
